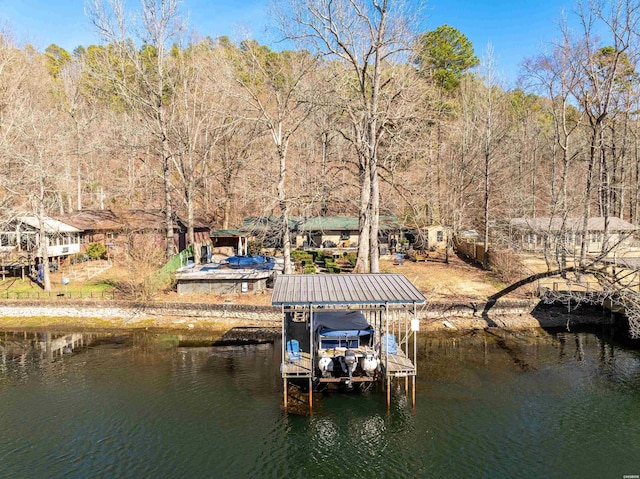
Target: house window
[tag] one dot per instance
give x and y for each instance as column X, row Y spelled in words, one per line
column 344, row 236
column 7, row 239
column 440, row 236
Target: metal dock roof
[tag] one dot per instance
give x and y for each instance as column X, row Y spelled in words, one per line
column 333, row 289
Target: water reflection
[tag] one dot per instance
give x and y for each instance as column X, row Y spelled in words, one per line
column 28, row 345
column 489, row 404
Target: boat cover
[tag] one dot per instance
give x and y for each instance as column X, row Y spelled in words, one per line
column 341, row 323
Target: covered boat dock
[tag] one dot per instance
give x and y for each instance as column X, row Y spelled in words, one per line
column 388, row 302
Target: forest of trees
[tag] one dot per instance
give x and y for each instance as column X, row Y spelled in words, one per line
column 365, row 116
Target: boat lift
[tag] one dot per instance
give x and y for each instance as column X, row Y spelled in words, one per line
column 389, row 303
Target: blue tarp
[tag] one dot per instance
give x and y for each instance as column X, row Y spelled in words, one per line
column 389, row 344
column 251, row 261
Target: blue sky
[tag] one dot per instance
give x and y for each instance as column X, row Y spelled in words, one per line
column 516, row 29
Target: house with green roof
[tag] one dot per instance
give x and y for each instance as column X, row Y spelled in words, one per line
column 328, row 232
column 338, row 231
column 319, row 231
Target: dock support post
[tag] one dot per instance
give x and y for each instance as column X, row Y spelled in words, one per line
column 285, row 393
column 283, row 346
column 388, row 391
column 413, row 393
column 415, row 329
column 386, row 353
column 312, row 351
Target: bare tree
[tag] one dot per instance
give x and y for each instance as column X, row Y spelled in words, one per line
column 599, row 70
column 237, row 150
column 493, row 132
column 361, row 35
column 138, row 72
column 194, row 125
column 14, row 71
column 272, row 92
column 550, row 75
column 76, row 98
column 34, row 153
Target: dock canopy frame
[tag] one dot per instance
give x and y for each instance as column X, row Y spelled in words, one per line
column 389, row 302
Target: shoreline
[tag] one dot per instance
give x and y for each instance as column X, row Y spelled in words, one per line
column 505, row 314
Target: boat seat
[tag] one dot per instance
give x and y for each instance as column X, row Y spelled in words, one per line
column 293, row 350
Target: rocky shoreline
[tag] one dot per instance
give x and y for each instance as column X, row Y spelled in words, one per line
column 435, row 316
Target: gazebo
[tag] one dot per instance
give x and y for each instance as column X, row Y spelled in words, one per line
column 383, row 310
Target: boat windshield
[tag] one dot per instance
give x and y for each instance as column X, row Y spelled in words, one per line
column 334, row 343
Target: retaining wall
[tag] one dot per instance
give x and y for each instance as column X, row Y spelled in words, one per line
column 510, row 314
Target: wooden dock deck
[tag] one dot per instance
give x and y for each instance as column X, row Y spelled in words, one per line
column 297, row 368
column 399, row 365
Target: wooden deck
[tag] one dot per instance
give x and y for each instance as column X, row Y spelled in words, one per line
column 399, row 365
column 297, row 368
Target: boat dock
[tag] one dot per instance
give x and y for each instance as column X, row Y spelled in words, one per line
column 372, row 337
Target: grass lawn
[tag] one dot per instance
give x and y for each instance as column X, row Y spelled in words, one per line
column 78, row 285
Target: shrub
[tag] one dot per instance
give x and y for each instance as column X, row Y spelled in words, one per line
column 146, row 258
column 309, row 269
column 296, row 254
column 254, row 247
column 301, row 257
column 96, row 251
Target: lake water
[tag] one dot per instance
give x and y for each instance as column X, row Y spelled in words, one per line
column 489, row 405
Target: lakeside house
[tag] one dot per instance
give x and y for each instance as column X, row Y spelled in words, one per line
column 20, row 239
column 536, row 234
column 430, row 237
column 340, row 232
column 97, row 226
column 115, row 229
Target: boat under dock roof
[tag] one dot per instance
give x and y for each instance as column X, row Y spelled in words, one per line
column 344, row 289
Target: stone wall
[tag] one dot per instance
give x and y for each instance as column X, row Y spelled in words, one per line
column 508, row 314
